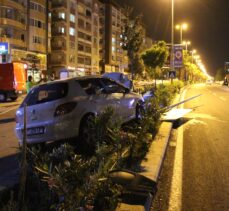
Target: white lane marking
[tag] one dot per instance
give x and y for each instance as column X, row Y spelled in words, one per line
column 175, row 197
column 223, row 99
column 4, row 112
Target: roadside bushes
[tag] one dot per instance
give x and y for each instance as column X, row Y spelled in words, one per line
column 60, row 178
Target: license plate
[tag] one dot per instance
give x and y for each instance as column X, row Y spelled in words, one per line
column 35, row 131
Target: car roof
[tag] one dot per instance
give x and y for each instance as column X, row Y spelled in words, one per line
column 76, row 78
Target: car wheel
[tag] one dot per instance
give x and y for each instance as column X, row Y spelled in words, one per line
column 86, row 136
column 140, row 110
column 13, row 98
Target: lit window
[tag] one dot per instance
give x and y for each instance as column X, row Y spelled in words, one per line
column 71, row 31
column 61, row 15
column 113, row 48
column 62, row 30
column 113, row 40
column 72, row 18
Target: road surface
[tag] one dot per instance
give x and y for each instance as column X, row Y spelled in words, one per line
column 195, row 174
column 8, row 144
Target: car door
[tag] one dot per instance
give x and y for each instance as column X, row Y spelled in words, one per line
column 120, row 97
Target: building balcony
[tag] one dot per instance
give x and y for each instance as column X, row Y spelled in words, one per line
column 58, row 59
column 85, row 2
column 13, row 23
column 14, row 4
column 15, row 42
column 58, row 19
column 58, row 3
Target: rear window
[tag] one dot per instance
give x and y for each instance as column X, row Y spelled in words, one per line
column 46, row 93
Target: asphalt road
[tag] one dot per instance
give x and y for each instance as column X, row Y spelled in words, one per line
column 195, row 173
column 8, row 144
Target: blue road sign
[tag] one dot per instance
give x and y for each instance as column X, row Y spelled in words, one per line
column 178, row 56
column 4, row 48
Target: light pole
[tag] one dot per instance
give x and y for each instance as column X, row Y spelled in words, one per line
column 193, row 52
column 186, row 43
column 181, row 27
column 172, row 37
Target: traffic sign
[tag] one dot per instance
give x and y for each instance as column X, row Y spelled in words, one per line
column 172, row 74
column 178, row 56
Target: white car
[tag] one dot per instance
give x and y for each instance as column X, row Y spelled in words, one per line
column 60, row 109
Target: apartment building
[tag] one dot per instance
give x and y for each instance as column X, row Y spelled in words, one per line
column 23, row 29
column 74, row 38
column 112, row 56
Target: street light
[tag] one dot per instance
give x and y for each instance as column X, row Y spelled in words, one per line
column 186, row 43
column 181, row 27
column 172, row 37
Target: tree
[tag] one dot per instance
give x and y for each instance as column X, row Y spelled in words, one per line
column 132, row 38
column 155, row 57
column 220, row 74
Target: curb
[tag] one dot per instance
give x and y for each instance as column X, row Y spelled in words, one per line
column 152, row 164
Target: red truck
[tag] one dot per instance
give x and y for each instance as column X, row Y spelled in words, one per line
column 12, row 80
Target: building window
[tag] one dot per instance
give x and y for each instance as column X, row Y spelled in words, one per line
column 81, row 23
column 72, row 18
column 38, row 40
column 81, row 35
column 61, row 30
column 80, row 47
column 71, row 31
column 61, row 15
column 88, row 13
column 37, row 7
column 72, row 45
column 80, row 60
column 37, row 23
column 71, row 58
column 87, row 49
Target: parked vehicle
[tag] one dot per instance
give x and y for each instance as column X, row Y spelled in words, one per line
column 12, row 80
column 61, row 109
column 209, row 81
column 226, row 80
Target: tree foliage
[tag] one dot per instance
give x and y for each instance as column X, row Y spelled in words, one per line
column 220, row 74
column 154, row 58
column 132, row 37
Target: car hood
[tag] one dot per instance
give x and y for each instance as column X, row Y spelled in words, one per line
column 120, row 78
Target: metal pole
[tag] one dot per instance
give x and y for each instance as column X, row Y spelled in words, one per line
column 172, row 38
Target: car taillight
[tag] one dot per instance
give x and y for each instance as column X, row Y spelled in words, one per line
column 64, row 109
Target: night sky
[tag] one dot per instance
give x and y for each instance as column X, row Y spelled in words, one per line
column 208, row 22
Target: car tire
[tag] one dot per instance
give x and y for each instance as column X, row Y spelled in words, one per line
column 139, row 110
column 13, row 98
column 86, row 138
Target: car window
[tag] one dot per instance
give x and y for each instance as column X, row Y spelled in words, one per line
column 112, row 87
column 46, row 93
column 91, row 86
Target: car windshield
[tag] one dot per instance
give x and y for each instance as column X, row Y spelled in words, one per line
column 91, row 85
column 46, row 93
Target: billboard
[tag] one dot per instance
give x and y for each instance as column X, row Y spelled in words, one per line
column 4, row 48
column 178, row 56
